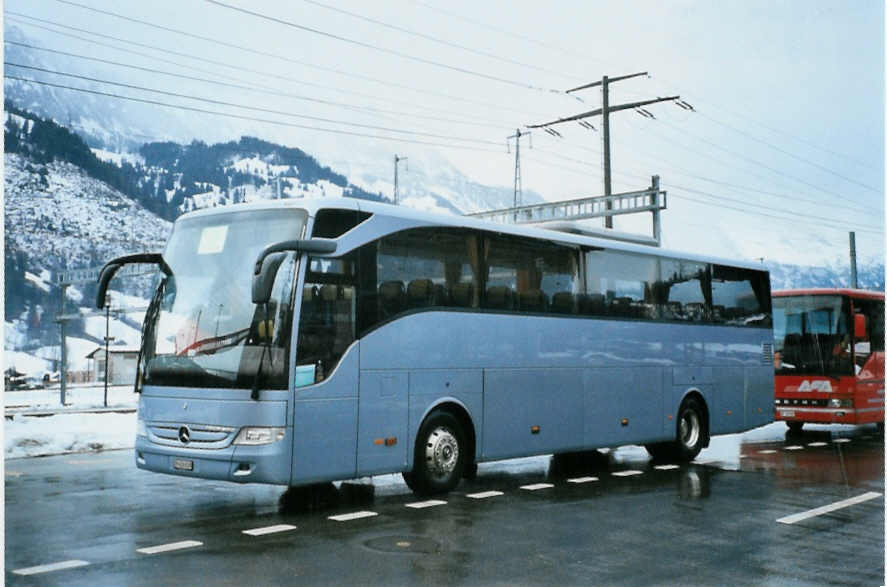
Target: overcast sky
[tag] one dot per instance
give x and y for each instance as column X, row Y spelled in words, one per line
column 787, row 141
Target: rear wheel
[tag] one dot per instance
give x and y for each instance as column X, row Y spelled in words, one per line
column 692, row 429
column 881, row 428
column 690, row 435
column 439, row 458
column 794, row 427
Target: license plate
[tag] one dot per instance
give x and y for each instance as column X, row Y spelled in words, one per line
column 788, row 413
column 183, row 464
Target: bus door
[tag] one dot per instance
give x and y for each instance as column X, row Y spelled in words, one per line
column 868, row 360
column 326, row 375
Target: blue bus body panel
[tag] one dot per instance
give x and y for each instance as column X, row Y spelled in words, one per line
column 325, row 425
column 585, row 382
column 382, row 439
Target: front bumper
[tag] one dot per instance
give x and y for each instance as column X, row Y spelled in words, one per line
column 267, row 463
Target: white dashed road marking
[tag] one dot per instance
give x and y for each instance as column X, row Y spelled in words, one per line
column 666, row 467
column 627, row 473
column 352, row 516
column 828, row 508
column 269, row 530
column 71, row 564
column 426, row 504
column 794, row 447
column 582, row 479
column 769, row 451
column 817, row 443
column 169, row 547
column 484, row 494
column 840, row 440
column 537, row 486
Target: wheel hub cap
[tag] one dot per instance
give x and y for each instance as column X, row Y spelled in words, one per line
column 441, row 452
column 689, row 428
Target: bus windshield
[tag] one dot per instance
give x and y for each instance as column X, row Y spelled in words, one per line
column 202, row 329
column 811, row 335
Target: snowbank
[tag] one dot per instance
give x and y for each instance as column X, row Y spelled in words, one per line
column 27, row 436
column 25, row 363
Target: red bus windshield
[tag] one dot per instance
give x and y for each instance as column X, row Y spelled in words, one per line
column 812, row 335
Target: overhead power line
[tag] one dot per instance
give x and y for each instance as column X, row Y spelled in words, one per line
column 267, row 74
column 385, row 50
column 246, row 107
column 258, row 89
column 605, row 111
column 574, row 53
column 790, row 154
column 250, row 118
column 433, row 38
column 764, row 210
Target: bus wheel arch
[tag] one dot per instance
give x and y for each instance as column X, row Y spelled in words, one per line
column 443, row 451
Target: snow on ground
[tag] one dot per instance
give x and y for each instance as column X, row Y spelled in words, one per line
column 95, row 326
column 118, row 158
column 78, row 348
column 27, row 436
column 30, row 436
column 76, row 396
column 25, row 363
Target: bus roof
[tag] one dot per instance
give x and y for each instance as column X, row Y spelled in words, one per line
column 831, row 291
column 313, row 205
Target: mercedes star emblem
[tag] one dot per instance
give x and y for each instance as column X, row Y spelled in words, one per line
column 184, row 435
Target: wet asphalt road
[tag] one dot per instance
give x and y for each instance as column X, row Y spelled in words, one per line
column 608, row 518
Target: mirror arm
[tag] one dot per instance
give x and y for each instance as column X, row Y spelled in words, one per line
column 315, row 245
column 111, row 268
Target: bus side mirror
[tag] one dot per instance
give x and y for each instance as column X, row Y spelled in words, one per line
column 263, row 281
column 860, row 330
column 269, row 260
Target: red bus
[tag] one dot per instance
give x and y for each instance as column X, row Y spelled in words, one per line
column 829, row 357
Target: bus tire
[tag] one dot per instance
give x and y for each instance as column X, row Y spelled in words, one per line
column 692, row 430
column 881, row 427
column 794, row 427
column 440, row 457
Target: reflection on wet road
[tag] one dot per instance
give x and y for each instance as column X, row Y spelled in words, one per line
column 761, row 507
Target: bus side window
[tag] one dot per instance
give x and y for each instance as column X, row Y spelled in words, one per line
column 685, row 290
column 740, row 296
column 620, row 284
column 327, row 320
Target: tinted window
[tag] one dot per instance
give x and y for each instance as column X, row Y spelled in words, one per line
column 525, row 275
column 683, row 290
column 620, row 284
column 740, row 296
column 332, row 223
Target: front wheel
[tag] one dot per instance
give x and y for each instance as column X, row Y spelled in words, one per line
column 794, row 427
column 439, row 458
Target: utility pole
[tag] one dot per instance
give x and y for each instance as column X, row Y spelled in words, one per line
column 605, row 111
column 396, row 161
column 517, row 179
column 108, row 339
column 63, row 369
column 853, row 283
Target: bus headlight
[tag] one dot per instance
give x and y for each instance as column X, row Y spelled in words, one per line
column 255, row 435
column 141, row 429
column 841, row 402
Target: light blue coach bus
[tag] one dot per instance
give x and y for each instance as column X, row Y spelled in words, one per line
column 300, row 341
